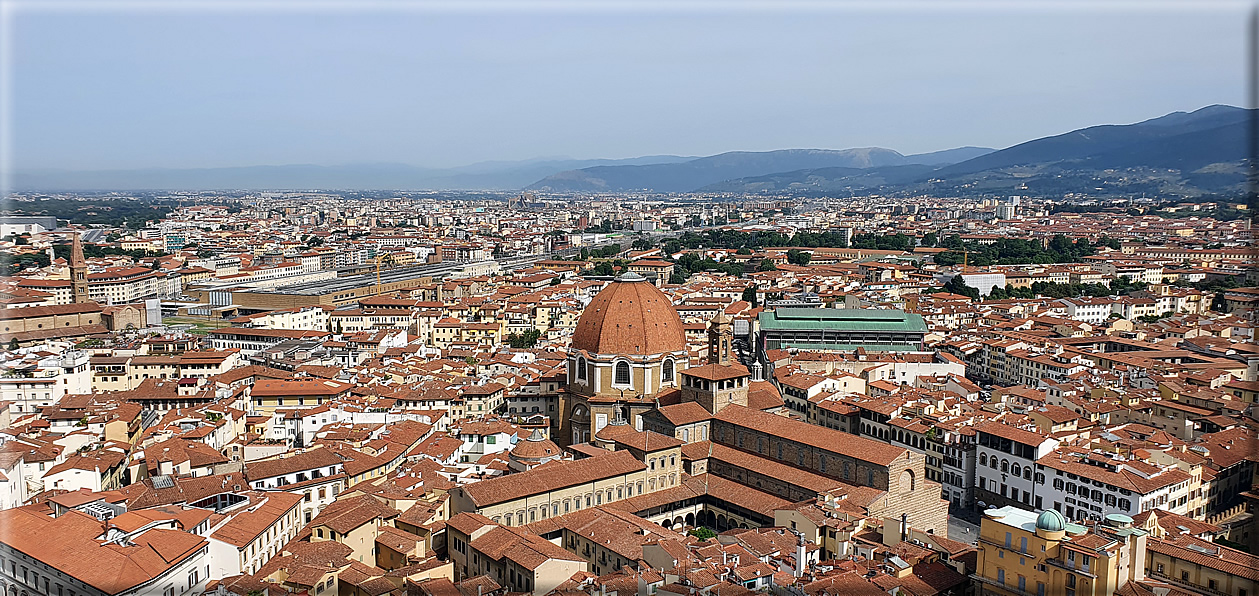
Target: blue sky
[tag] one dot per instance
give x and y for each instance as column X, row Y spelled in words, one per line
column 93, row 88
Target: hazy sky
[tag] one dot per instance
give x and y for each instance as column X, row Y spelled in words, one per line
column 427, row 85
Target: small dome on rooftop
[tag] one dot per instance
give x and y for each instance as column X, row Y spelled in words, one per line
column 1051, row 521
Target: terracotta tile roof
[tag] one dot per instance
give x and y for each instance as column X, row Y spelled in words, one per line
column 834, row 441
column 1209, row 555
column 1013, row 433
column 642, row 440
column 629, row 317
column 344, row 515
column 292, row 463
column 684, row 413
column 550, row 477
column 717, row 372
column 111, row 568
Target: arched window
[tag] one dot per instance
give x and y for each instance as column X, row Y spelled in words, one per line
column 666, row 371
column 907, row 480
column 1005, row 465
column 581, row 368
column 622, row 376
column 1016, row 470
column 992, row 463
column 983, row 459
column 1027, row 473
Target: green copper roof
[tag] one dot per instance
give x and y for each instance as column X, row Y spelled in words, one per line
column 842, row 319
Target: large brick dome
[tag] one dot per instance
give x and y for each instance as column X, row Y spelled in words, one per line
column 629, row 316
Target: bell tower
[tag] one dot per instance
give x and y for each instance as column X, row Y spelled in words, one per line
column 720, row 337
column 78, row 271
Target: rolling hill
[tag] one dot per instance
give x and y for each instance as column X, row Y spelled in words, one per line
column 1187, row 154
column 705, row 171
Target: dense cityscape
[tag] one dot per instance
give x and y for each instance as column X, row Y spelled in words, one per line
column 553, row 393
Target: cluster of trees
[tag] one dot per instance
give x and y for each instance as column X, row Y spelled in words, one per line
column 10, row 264
column 753, row 240
column 92, row 251
column 1119, row 286
column 1094, row 209
column 603, row 252
column 1213, row 285
column 608, row 268
column 957, row 285
column 113, row 212
column 602, row 228
column 758, row 240
column 798, row 257
column 527, row 339
column 1019, row 251
column 883, row 242
column 691, row 263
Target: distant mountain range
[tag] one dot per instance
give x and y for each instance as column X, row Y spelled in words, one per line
column 1186, row 154
column 1183, row 154
column 699, row 173
column 1180, row 154
column 495, row 175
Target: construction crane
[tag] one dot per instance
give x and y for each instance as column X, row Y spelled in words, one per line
column 379, row 258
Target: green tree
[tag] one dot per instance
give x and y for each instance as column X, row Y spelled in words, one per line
column 930, row 240
column 702, row 533
column 13, row 345
column 766, row 265
column 798, row 257
column 957, row 285
column 1218, row 303
column 528, row 339
column 749, row 295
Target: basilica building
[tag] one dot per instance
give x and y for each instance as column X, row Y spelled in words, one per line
column 629, row 358
column 628, row 348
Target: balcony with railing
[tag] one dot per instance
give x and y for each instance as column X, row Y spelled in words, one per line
column 1072, row 566
column 1000, row 588
column 1192, row 587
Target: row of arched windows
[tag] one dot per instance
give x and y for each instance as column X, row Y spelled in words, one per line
column 522, row 517
column 621, row 371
